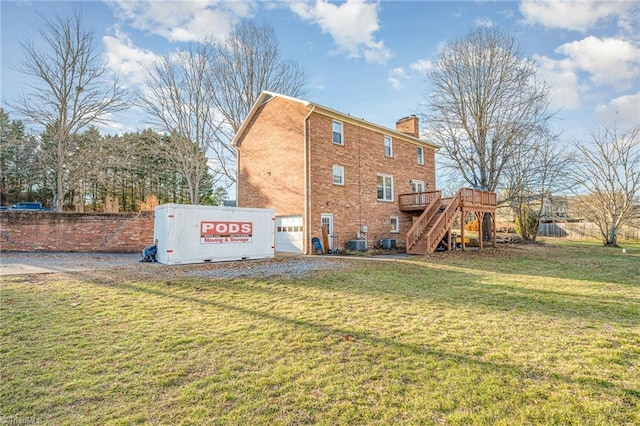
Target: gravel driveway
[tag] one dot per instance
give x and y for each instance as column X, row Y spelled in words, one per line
column 283, row 264
column 14, row 263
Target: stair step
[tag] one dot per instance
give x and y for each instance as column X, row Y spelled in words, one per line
column 436, row 234
column 417, row 251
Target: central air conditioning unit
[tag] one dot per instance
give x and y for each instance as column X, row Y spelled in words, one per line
column 357, row 245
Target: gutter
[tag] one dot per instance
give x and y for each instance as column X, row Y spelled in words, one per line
column 237, row 153
column 306, row 233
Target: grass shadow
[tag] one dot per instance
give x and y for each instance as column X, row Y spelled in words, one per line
column 324, row 329
column 463, row 287
column 576, row 262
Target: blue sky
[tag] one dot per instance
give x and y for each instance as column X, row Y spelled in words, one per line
column 368, row 58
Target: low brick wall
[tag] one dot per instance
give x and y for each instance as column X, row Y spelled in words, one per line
column 75, row 232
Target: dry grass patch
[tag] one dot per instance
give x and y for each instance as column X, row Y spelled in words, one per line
column 544, row 334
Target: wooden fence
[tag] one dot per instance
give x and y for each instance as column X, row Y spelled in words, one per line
column 584, row 230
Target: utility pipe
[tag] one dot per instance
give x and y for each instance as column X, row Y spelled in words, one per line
column 306, row 234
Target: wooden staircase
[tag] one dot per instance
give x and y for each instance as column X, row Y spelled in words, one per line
column 438, row 215
column 432, row 225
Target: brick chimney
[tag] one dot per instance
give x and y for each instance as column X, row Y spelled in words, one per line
column 409, row 125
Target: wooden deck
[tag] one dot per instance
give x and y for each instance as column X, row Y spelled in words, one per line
column 438, row 215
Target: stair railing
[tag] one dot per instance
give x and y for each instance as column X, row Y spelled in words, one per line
column 419, row 227
column 442, row 223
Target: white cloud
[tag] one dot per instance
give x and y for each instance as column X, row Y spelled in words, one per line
column 126, row 59
column 396, row 77
column 423, row 66
column 352, row 26
column 562, row 80
column 507, row 13
column 182, row 20
column 240, row 8
column 206, row 22
column 120, row 122
column 574, row 15
column 590, row 62
column 608, row 61
column 624, row 109
column 483, row 22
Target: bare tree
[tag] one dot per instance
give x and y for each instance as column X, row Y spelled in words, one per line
column 247, row 63
column 608, row 179
column 242, row 66
column 532, row 175
column 485, row 103
column 204, row 95
column 71, row 88
column 177, row 99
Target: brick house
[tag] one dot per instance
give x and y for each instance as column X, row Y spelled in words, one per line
column 316, row 166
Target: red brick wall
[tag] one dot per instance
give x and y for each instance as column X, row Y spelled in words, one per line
column 271, row 170
column 355, row 204
column 271, row 159
column 75, row 232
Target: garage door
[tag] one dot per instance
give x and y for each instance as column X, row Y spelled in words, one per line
column 289, row 234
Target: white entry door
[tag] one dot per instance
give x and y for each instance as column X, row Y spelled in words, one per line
column 326, row 220
column 289, row 234
column 417, row 186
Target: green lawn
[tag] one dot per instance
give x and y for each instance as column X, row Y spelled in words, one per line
column 522, row 335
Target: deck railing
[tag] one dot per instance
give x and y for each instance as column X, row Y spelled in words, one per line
column 470, row 198
column 478, row 198
column 417, row 200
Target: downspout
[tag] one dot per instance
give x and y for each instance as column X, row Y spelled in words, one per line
column 237, row 152
column 306, row 233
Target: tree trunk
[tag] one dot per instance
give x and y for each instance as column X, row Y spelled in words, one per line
column 613, row 237
column 487, row 228
column 58, row 198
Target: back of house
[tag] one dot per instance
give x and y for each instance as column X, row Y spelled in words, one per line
column 330, row 175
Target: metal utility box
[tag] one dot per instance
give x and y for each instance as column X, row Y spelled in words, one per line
column 196, row 234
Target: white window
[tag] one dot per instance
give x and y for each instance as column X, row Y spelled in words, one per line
column 337, row 133
column 420, row 155
column 338, row 175
column 395, row 224
column 385, row 187
column 388, row 146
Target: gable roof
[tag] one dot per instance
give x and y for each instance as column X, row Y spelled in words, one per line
column 266, row 96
